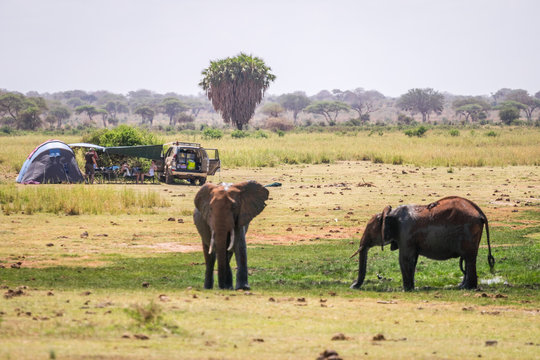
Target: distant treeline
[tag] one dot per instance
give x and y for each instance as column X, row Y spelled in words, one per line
column 81, row 109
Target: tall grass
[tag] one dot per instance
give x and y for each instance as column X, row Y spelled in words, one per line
column 77, row 200
column 514, row 146
column 511, row 146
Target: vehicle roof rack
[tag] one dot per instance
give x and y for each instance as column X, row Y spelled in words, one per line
column 181, row 143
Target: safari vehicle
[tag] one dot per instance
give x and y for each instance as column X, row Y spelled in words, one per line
column 188, row 161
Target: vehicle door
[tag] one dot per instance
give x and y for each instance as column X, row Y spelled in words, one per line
column 214, row 164
column 168, row 157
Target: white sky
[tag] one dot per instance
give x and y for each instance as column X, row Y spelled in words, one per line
column 466, row 47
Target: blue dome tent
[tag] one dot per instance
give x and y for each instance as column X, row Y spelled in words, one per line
column 52, row 162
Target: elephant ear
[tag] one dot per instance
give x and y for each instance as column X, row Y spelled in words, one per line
column 202, row 200
column 390, row 225
column 250, row 197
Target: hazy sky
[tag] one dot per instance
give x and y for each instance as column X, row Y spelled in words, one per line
column 467, row 47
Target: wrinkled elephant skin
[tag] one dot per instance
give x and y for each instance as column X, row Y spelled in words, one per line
column 222, row 216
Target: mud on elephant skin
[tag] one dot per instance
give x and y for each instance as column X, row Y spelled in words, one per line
column 222, row 216
column 448, row 228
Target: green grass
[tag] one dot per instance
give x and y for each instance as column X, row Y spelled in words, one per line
column 310, row 269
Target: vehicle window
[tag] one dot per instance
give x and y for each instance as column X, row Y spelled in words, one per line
column 212, row 153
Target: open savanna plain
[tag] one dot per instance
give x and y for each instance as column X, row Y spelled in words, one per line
column 115, row 271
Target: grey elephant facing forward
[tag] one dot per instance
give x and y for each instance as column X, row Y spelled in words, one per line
column 222, row 215
column 448, row 228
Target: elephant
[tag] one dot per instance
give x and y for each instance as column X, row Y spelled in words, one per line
column 448, row 228
column 222, row 216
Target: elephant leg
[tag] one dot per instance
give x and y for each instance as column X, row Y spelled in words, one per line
column 224, row 268
column 407, row 263
column 240, row 253
column 210, row 259
column 470, row 279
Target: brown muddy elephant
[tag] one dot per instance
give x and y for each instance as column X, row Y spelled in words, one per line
column 222, row 215
column 448, row 228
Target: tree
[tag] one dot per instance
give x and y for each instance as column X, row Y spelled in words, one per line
column 89, row 110
column 115, row 107
column 529, row 102
column 58, row 114
column 423, row 101
column 146, row 113
column 272, row 109
column 500, row 95
column 172, row 106
column 329, row 109
column 509, row 111
column 235, row 86
column 363, row 102
column 473, row 108
column 11, row 104
column 104, row 116
column 23, row 112
column 184, row 118
column 196, row 106
column 294, row 102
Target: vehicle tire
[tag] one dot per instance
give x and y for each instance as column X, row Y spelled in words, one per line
column 202, row 181
column 168, row 177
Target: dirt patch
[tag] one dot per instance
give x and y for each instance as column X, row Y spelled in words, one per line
column 86, row 261
column 290, row 238
column 169, row 247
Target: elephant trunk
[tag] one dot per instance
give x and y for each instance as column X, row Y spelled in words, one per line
column 362, row 264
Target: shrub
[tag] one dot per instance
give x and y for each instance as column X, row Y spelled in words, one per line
column 418, row 132
column 280, row 133
column 397, row 160
column 147, row 316
column 404, row 119
column 508, row 114
column 211, row 133
column 454, row 132
column 260, row 134
column 491, row 133
column 122, row 135
column 239, row 134
column 275, row 123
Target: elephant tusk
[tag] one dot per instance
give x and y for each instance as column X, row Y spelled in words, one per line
column 232, row 241
column 356, row 252
column 211, row 248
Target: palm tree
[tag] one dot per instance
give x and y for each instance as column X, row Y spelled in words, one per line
column 235, row 86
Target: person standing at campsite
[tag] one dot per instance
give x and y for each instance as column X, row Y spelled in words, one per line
column 90, row 165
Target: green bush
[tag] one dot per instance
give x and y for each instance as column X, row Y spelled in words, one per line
column 211, row 133
column 122, row 135
column 260, row 134
column 491, row 133
column 454, row 132
column 508, row 114
column 418, row 132
column 239, row 134
column 280, row 133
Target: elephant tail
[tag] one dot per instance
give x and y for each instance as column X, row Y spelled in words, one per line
column 490, row 258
